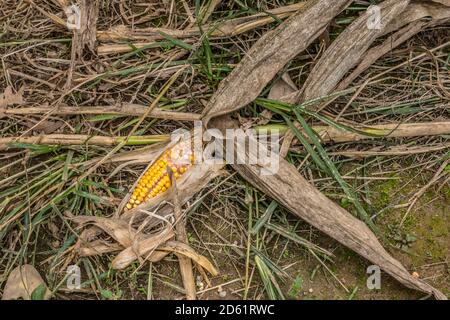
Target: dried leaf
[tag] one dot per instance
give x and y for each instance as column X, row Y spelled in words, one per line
column 346, row 51
column 87, row 35
column 143, row 248
column 184, row 249
column 270, row 53
column 410, row 23
column 282, row 88
column 418, row 10
column 116, row 228
column 444, row 2
column 8, row 97
column 22, row 283
column 97, row 247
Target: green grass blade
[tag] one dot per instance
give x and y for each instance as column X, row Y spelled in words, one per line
column 334, row 172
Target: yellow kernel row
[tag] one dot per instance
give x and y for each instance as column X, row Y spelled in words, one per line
column 156, row 179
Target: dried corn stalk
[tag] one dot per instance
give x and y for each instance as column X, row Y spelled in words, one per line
column 346, row 51
column 270, row 54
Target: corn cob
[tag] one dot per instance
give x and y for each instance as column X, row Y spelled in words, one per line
column 156, row 179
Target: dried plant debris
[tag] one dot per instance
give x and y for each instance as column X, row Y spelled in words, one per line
column 324, row 214
column 234, row 89
column 25, row 282
column 9, row 98
column 346, row 51
column 86, row 36
column 270, row 54
column 410, row 22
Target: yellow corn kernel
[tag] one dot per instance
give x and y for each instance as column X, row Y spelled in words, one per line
column 156, row 179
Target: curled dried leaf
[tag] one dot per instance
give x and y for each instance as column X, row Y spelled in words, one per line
column 347, row 50
column 97, row 247
column 118, row 229
column 184, row 249
column 144, row 248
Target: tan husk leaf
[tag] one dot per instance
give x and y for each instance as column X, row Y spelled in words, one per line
column 144, row 247
column 270, row 53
